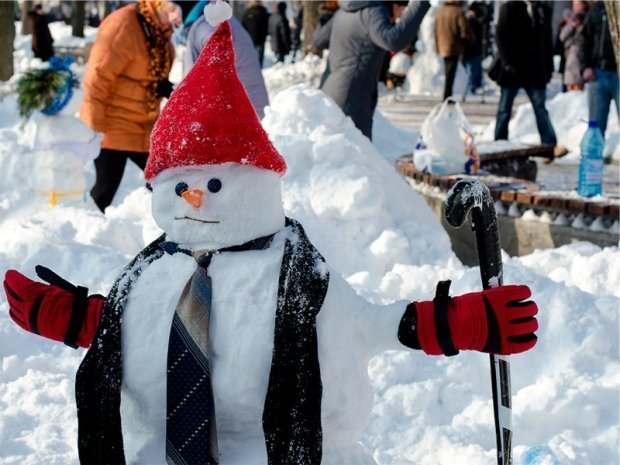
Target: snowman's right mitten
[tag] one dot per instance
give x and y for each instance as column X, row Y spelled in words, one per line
column 59, row 310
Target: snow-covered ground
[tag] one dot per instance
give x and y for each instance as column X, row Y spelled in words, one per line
column 380, row 235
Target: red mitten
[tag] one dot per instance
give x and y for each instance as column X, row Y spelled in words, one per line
column 60, row 311
column 499, row 321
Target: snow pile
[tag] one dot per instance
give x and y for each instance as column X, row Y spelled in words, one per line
column 341, row 189
column 280, row 76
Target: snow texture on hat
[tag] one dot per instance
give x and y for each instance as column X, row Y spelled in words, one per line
column 209, row 118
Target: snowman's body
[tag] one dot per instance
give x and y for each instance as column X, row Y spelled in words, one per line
column 242, row 328
column 242, row 324
column 63, row 144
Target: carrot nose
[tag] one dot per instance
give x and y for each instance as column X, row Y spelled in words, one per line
column 193, row 197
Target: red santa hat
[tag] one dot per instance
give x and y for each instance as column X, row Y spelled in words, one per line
column 209, row 118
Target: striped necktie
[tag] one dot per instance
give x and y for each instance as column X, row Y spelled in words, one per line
column 191, row 432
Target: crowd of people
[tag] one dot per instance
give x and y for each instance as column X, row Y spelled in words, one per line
column 127, row 72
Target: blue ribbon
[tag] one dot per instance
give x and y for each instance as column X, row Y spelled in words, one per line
column 62, row 98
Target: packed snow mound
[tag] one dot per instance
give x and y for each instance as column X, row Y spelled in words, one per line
column 340, row 188
column 584, row 265
column 281, row 76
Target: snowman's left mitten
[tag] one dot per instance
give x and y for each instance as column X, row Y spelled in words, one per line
column 498, row 321
column 59, row 311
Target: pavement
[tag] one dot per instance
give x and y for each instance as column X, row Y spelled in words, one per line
column 409, row 111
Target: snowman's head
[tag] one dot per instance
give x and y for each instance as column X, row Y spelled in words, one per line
column 216, row 206
column 214, row 172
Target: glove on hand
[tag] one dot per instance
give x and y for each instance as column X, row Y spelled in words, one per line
column 498, row 321
column 59, row 311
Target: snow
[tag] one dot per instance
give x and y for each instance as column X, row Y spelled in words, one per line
column 382, row 238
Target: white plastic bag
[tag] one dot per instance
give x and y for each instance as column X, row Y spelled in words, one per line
column 447, row 144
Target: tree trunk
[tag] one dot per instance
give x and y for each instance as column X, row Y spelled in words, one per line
column 78, row 17
column 7, row 36
column 311, row 20
column 26, row 6
column 613, row 18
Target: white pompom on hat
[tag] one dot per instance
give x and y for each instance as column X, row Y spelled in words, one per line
column 217, row 12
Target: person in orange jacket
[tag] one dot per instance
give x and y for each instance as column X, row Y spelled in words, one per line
column 126, row 78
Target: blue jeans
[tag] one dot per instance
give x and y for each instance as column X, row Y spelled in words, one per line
column 600, row 93
column 504, row 111
column 260, row 50
column 473, row 65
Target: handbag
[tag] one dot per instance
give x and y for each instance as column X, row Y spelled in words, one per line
column 495, row 69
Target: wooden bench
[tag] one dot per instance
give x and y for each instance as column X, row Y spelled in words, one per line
column 512, row 161
column 593, row 220
column 522, row 191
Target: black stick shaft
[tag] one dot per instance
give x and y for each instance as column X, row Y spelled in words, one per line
column 466, row 197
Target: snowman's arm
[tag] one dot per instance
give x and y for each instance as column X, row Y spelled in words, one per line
column 58, row 311
column 499, row 320
column 371, row 328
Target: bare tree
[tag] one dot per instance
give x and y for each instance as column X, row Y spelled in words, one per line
column 7, row 36
column 25, row 7
column 311, row 20
column 78, row 17
column 613, row 17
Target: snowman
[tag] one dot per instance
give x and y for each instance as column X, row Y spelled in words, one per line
column 228, row 340
column 62, row 144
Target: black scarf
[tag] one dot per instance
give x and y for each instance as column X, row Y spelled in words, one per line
column 292, row 413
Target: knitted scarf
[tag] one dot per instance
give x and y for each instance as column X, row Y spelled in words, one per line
column 158, row 40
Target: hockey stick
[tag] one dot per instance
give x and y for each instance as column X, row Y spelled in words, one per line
column 466, row 196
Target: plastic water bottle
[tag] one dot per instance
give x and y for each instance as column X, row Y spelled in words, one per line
column 591, row 166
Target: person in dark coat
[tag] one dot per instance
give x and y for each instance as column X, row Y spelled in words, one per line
column 42, row 41
column 358, row 37
column 280, row 33
column 598, row 65
column 256, row 21
column 524, row 43
column 477, row 15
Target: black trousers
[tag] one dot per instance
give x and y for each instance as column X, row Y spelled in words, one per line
column 451, row 64
column 110, row 166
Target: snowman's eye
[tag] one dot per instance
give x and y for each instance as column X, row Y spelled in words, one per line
column 214, row 185
column 180, row 188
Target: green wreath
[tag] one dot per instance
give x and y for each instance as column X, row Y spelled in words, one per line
column 47, row 89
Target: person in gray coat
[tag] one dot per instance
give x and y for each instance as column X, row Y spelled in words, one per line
column 246, row 59
column 358, row 37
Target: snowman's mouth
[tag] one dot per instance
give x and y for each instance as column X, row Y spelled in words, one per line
column 195, row 219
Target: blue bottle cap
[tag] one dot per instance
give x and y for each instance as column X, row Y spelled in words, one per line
column 593, row 123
